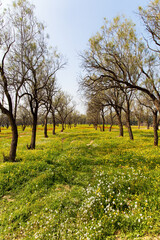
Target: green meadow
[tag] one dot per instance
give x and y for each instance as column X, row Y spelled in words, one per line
column 80, row 184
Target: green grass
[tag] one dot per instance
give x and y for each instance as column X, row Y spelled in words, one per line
column 80, row 184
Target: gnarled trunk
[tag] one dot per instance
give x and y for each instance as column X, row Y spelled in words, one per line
column 13, row 148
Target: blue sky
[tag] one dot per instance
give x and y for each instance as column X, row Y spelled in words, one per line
column 70, row 24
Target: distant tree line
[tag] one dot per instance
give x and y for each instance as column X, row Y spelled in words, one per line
column 140, row 116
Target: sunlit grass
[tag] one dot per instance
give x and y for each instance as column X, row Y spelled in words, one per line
column 80, row 184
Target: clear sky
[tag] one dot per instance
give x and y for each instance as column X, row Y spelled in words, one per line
column 70, row 24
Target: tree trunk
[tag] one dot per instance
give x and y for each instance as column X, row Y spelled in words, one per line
column 155, row 128
column 128, row 122
column 13, row 149
column 34, row 129
column 120, row 125
column 95, row 126
column 110, row 128
column 45, row 126
column 103, row 122
column 54, row 123
column 111, row 118
column 62, row 127
column 23, row 127
column 130, row 132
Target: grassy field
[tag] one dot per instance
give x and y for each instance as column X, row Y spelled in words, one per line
column 80, row 184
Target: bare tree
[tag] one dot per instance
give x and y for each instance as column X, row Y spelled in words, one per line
column 13, row 71
column 150, row 18
column 64, row 107
column 6, row 93
column 49, row 92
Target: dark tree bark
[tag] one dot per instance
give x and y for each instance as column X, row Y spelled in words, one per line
column 62, row 127
column 9, row 113
column 120, row 127
column 103, row 120
column 95, row 127
column 34, row 111
column 118, row 113
column 111, row 118
column 110, row 128
column 54, row 123
column 139, row 123
column 13, row 149
column 128, row 121
column 23, row 127
column 46, row 122
column 130, row 130
column 155, row 123
column 34, row 130
column 45, row 126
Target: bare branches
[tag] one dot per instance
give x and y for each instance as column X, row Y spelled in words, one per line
column 150, row 18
